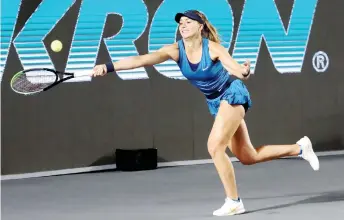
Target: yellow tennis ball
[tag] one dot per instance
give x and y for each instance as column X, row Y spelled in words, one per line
column 56, row 46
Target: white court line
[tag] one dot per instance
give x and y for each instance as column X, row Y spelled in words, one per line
column 113, row 166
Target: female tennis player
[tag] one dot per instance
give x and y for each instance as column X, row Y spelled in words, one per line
column 209, row 67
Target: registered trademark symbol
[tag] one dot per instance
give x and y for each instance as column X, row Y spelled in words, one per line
column 320, row 61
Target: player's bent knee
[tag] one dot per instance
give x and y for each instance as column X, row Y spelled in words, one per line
column 215, row 146
column 247, row 160
column 213, row 150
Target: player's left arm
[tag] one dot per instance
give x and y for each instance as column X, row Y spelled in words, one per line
column 217, row 51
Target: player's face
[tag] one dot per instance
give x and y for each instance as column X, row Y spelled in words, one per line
column 189, row 28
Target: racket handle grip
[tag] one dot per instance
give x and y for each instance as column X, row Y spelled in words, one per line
column 83, row 73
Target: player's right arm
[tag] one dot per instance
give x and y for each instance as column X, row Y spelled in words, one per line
column 132, row 62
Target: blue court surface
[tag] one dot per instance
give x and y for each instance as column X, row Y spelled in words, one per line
column 282, row 189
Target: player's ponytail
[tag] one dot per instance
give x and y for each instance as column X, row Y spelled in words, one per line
column 209, row 31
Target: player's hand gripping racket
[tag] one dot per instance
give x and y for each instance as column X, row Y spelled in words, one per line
column 247, row 64
column 32, row 81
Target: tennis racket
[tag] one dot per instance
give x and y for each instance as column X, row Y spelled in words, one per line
column 33, row 81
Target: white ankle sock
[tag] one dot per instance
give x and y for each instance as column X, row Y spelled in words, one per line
column 235, row 200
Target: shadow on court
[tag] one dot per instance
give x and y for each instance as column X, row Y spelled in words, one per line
column 334, row 196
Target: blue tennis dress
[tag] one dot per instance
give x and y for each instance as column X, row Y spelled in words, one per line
column 211, row 78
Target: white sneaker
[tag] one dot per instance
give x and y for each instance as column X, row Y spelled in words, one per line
column 308, row 153
column 230, row 207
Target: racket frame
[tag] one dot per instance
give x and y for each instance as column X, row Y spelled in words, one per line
column 56, row 82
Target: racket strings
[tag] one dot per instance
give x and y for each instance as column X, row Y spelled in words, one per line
column 28, row 83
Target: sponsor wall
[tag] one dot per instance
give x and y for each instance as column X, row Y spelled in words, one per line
column 296, row 86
